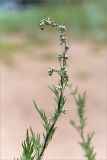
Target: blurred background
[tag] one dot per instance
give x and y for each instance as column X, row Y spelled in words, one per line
column 26, row 52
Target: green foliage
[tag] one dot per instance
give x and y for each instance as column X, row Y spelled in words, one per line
column 36, row 143
column 43, row 117
column 88, row 149
column 84, row 18
column 28, row 146
column 86, row 140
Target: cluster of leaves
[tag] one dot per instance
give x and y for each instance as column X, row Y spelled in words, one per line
column 86, row 140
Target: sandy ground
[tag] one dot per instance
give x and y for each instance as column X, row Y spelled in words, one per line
column 28, row 80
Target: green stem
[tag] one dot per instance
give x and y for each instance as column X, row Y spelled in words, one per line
column 62, row 84
column 49, row 132
column 55, row 120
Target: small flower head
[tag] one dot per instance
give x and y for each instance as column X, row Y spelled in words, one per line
column 50, row 71
column 62, row 28
column 58, row 88
column 60, row 56
column 66, row 47
column 48, row 22
column 42, row 24
column 66, row 56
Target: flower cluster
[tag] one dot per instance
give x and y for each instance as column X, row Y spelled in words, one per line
column 62, row 29
column 62, row 57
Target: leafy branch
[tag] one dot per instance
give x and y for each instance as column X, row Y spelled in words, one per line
column 86, row 140
column 33, row 148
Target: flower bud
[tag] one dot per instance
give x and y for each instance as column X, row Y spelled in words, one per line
column 66, row 48
column 63, row 38
column 42, row 25
column 50, row 71
column 66, row 56
column 58, row 88
column 54, row 24
column 60, row 56
column 62, row 28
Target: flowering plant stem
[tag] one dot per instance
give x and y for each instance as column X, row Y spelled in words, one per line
column 59, row 90
column 33, row 148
